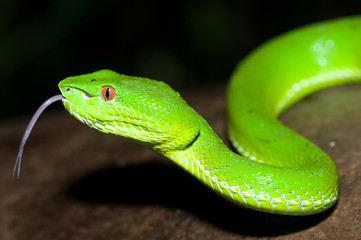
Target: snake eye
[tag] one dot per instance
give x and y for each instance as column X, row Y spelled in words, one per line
column 108, row 93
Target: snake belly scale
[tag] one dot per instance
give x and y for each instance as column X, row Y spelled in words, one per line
column 278, row 171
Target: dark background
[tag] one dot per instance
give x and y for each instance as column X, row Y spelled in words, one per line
column 184, row 43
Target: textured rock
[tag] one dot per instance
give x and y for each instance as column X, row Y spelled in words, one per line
column 77, row 183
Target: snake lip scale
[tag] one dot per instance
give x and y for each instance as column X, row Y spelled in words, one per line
column 277, row 170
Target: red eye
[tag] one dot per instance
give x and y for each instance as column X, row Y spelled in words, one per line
column 108, row 93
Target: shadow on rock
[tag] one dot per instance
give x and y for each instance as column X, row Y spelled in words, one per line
column 169, row 185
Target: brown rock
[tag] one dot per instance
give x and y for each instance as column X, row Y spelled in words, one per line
column 77, row 183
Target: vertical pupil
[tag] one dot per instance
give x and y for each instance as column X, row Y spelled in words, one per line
column 107, row 93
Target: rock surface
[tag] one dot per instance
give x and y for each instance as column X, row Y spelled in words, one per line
column 77, row 183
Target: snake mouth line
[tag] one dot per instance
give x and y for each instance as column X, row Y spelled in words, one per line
column 89, row 119
column 86, row 94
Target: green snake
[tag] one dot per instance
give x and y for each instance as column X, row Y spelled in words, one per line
column 278, row 171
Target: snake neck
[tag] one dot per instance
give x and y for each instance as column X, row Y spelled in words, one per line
column 203, row 152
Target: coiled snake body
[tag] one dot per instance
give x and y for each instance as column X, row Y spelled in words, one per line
column 279, row 170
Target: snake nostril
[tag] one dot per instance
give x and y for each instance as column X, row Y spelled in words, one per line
column 68, row 89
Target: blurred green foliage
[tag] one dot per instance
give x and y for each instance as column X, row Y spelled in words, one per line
column 183, row 43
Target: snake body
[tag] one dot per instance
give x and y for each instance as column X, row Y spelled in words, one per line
column 278, row 170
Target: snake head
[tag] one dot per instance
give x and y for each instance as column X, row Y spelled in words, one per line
column 141, row 109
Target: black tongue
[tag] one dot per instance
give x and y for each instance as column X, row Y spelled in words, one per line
column 16, row 171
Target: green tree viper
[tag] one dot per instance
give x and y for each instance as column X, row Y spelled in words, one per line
column 277, row 171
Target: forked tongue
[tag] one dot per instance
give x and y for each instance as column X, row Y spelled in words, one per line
column 29, row 128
